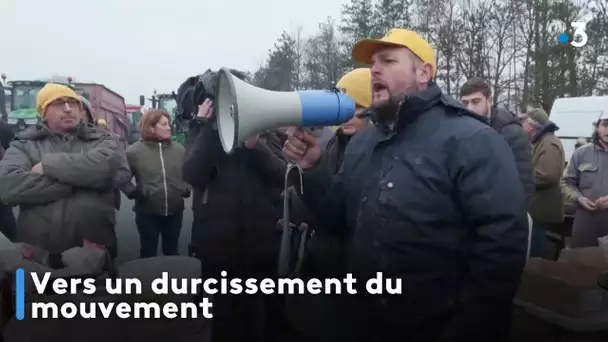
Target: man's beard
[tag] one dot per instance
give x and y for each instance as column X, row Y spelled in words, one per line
column 387, row 111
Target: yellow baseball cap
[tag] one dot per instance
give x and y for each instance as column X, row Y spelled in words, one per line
column 364, row 49
column 358, row 85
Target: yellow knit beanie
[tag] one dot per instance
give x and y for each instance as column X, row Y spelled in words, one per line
column 358, row 85
column 51, row 92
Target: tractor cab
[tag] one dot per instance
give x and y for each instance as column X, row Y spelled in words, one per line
column 168, row 103
column 23, row 111
column 23, row 104
column 134, row 114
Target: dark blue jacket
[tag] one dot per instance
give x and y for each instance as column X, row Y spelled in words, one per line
column 433, row 203
column 510, row 128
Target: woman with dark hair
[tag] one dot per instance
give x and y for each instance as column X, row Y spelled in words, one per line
column 156, row 162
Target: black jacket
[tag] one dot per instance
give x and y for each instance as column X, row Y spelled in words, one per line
column 6, row 134
column 334, row 152
column 432, row 203
column 326, row 250
column 235, row 203
column 510, row 128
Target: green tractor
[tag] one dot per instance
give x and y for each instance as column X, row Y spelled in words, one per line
column 168, row 102
column 23, row 111
column 23, row 104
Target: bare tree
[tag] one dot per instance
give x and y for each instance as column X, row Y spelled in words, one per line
column 511, row 43
column 447, row 43
column 325, row 61
column 500, row 46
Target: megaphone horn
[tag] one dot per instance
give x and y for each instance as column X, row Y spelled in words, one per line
column 243, row 110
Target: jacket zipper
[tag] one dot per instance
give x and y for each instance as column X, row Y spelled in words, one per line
column 162, row 165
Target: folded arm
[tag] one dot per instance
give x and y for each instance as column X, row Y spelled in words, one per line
column 495, row 211
column 94, row 169
column 20, row 186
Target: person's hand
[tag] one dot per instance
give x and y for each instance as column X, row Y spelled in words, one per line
column 205, row 110
column 137, row 194
column 602, row 202
column 302, row 147
column 280, row 223
column 587, row 203
column 251, row 142
column 37, row 169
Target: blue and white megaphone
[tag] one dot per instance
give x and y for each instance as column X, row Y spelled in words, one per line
column 243, row 110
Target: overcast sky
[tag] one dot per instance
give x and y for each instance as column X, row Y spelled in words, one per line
column 136, row 46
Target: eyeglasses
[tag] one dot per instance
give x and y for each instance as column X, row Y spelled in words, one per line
column 63, row 101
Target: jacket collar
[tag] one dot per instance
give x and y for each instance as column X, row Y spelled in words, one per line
column 412, row 106
column 548, row 128
column 42, row 131
column 164, row 143
column 341, row 137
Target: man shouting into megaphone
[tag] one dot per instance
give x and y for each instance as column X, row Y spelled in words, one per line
column 430, row 195
column 236, row 208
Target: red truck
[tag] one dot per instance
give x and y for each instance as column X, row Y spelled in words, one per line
column 107, row 105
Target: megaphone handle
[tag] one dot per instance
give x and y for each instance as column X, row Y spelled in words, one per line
column 290, row 167
column 285, row 248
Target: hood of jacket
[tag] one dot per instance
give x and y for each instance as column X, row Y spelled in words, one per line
column 549, row 127
column 500, row 117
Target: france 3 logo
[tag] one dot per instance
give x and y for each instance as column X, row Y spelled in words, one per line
column 579, row 37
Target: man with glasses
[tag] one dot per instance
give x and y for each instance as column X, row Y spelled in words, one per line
column 61, row 174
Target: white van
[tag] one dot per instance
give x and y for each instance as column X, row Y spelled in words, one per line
column 576, row 117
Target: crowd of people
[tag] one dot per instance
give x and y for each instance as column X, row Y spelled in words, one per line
column 418, row 185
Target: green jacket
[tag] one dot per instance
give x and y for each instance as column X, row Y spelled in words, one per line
column 157, row 167
column 73, row 199
column 548, row 162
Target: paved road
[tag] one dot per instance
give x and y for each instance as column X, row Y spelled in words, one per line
column 128, row 238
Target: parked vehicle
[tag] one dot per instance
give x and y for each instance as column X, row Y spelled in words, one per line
column 109, row 106
column 134, row 113
column 576, row 117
